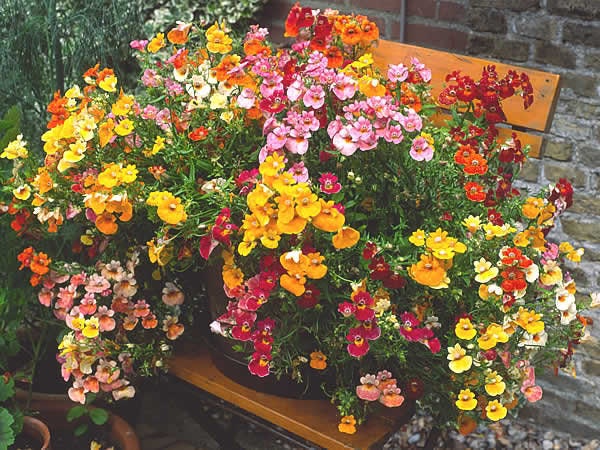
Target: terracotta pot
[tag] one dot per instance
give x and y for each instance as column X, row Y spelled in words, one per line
column 37, row 430
column 53, row 411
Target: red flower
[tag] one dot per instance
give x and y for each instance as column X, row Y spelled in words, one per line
column 310, row 297
column 242, row 331
column 415, row 389
column 262, row 343
column 347, row 309
column 363, row 302
column 329, row 183
column 495, row 217
column 370, row 250
column 358, row 345
column 259, row 365
column 370, row 329
column 514, row 280
column 380, row 270
column 476, row 165
column 395, row 281
column 474, row 191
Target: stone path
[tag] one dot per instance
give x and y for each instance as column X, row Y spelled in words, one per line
column 164, row 425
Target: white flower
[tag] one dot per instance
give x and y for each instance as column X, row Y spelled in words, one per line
column 564, row 299
column 568, row 315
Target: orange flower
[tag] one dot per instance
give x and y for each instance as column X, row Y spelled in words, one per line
column 347, row 425
column 334, row 57
column 351, row 34
column 39, row 264
column 318, row 361
column 179, row 34
column 346, row 237
column 370, row 31
column 466, row 425
column 428, row 271
column 232, row 276
column 43, row 181
column 157, row 43
column 315, row 268
column 329, row 219
column 293, row 282
column 255, row 47
column 107, row 223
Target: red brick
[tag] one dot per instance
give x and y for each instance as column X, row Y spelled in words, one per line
column 432, row 36
column 378, row 5
column 451, row 12
column 421, row 8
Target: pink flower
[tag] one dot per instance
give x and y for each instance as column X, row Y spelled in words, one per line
column 308, row 121
column 368, row 390
column 424, row 72
column 411, row 122
column 139, row 45
column 421, row 150
column 297, row 142
column 271, row 84
column 314, row 97
column 246, row 98
column 397, row 72
column 344, row 142
column 344, row 87
column 77, row 392
column 296, row 89
column 391, row 397
column 329, row 183
column 393, row 134
column 45, row 296
column 150, row 78
column 87, row 305
column 105, row 319
column 532, row 392
column 361, row 128
column 277, row 138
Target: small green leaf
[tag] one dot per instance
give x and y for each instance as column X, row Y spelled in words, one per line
column 7, row 389
column 99, row 416
column 7, row 436
column 81, row 429
column 75, row 413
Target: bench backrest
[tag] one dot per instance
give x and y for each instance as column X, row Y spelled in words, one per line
column 528, row 124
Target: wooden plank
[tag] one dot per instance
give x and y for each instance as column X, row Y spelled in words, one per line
column 546, row 85
column 313, row 420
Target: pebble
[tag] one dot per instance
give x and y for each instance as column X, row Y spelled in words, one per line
column 414, row 438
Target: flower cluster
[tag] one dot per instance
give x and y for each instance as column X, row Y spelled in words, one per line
column 104, row 316
column 354, row 234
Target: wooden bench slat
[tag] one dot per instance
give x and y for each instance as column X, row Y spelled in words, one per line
column 546, row 85
column 314, row 420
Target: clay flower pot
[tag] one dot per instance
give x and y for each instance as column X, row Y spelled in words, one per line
column 37, row 430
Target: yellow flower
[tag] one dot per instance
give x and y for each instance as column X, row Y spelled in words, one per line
column 530, row 321
column 91, row 328
column 466, row 400
column 76, row 152
column 552, row 274
column 218, row 40
column 438, row 239
column 307, row 203
column 123, row 105
column 459, row 360
column 218, row 101
column 472, row 223
column 245, row 247
column 532, row 207
column 429, row 272
column 128, row 174
column 371, row 87
column 22, row 192
column 124, row 127
column 15, row 149
column 157, row 43
column 160, row 254
column 110, row 176
column 485, row 271
column 494, row 333
column 495, row 410
column 464, row 329
column 171, row 211
column 108, row 83
column 494, row 384
column 232, row 276
column 272, row 165
column 417, row 238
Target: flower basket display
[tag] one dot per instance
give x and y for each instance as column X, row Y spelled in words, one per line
column 343, row 228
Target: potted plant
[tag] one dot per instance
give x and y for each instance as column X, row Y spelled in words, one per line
column 354, row 235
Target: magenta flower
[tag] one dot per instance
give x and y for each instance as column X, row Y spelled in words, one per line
column 329, row 183
column 358, row 346
column 259, row 365
column 347, row 309
column 139, row 45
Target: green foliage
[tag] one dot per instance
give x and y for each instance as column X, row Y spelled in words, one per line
column 7, row 435
column 86, row 414
column 51, row 43
column 10, row 125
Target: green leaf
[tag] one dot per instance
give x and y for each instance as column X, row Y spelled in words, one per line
column 99, row 416
column 76, row 412
column 81, row 429
column 7, row 389
column 7, row 436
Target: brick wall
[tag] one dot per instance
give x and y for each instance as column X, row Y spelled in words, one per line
column 560, row 36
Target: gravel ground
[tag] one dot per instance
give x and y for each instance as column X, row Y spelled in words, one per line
column 164, row 425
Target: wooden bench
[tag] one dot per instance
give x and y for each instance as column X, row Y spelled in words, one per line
column 317, row 420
